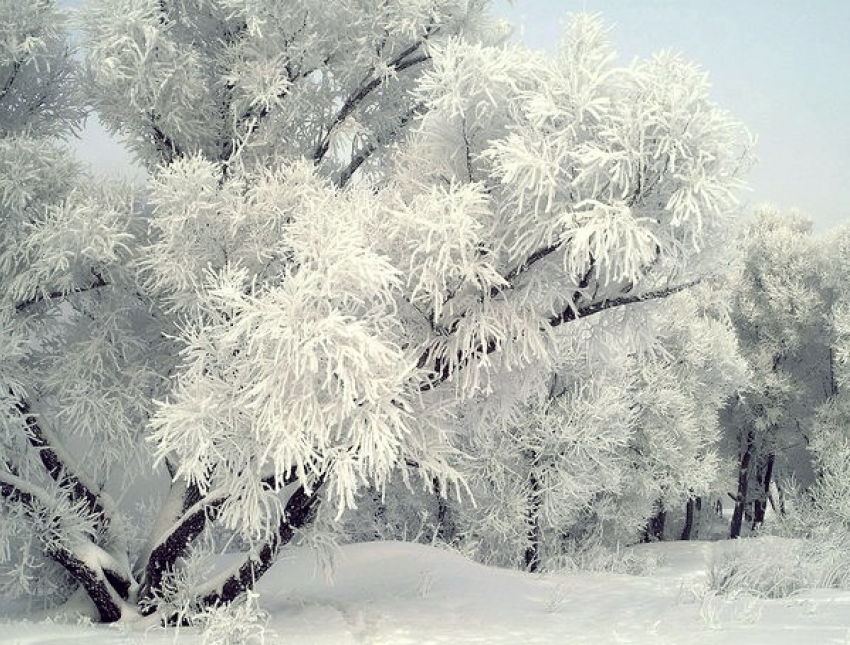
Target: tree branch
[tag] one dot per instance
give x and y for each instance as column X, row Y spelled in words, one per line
column 98, row 283
column 7, row 86
column 168, row 149
column 96, row 581
column 398, row 64
column 514, row 273
column 175, row 544
column 440, row 373
column 56, row 463
column 300, row 510
column 570, row 314
column 366, row 151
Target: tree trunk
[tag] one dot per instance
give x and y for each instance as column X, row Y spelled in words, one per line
column 172, row 546
column 743, row 487
column 692, row 511
column 300, row 511
column 445, row 521
column 532, row 551
column 764, row 475
column 654, row 531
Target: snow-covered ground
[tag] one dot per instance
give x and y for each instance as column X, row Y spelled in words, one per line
column 404, row 594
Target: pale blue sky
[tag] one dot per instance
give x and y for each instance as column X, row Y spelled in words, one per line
column 780, row 66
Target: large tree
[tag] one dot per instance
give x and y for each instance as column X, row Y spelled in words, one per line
column 361, row 217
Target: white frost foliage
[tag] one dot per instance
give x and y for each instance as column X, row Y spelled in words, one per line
column 619, row 167
column 440, row 236
column 162, row 81
column 37, row 65
column 841, row 324
column 609, row 235
column 831, row 448
column 300, row 375
column 470, row 82
column 577, row 441
column 87, row 230
column 203, row 221
column 260, row 80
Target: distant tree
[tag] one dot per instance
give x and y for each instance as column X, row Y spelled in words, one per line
column 361, row 219
column 830, row 435
column 781, row 302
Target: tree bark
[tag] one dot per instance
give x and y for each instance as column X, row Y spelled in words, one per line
column 164, row 555
column 300, row 510
column 445, row 523
column 764, row 476
column 59, row 471
column 743, row 486
column 692, row 511
column 105, row 588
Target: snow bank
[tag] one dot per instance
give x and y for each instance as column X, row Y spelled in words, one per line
column 396, row 593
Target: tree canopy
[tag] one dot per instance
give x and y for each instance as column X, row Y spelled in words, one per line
column 372, row 230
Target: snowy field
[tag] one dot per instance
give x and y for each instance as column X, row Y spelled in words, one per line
column 407, row 594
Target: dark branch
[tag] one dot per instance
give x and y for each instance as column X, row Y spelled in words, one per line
column 7, row 86
column 570, row 313
column 98, row 283
column 398, row 64
column 167, row 148
column 300, row 511
column 57, row 469
column 368, row 150
column 538, row 255
column 96, row 582
column 198, row 513
column 441, row 372
column 164, row 556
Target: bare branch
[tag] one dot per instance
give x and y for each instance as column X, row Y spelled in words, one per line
column 440, row 373
column 167, row 148
column 7, row 86
column 398, row 64
column 570, row 314
column 105, row 587
column 59, row 466
column 368, row 150
column 98, row 283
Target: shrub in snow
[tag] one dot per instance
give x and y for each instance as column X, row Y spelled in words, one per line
column 594, row 556
column 772, row 567
column 242, row 622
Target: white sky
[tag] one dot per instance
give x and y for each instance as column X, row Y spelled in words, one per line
column 780, row 66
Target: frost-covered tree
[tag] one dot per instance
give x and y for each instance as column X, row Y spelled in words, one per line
column 589, row 215
column 830, row 436
column 623, row 427
column 780, row 309
column 64, row 239
column 362, row 218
